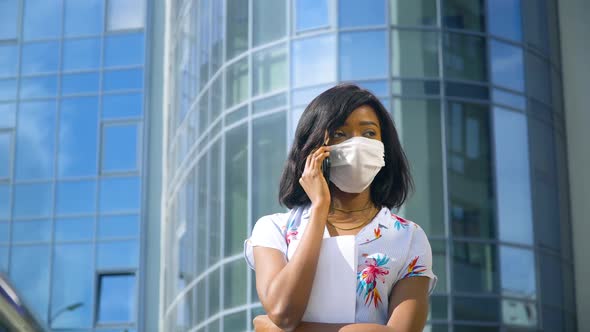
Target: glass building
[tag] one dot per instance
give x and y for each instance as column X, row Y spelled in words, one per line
column 475, row 90
column 73, row 137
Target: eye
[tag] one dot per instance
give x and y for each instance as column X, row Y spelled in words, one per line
column 370, row 133
column 338, row 134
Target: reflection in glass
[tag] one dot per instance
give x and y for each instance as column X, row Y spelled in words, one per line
column 131, row 79
column 269, row 153
column 8, row 19
column 119, row 226
column 505, row 18
column 7, row 89
column 379, row 88
column 416, row 12
column 235, row 322
column 204, row 32
column 439, row 264
column 354, row 60
column 352, row 13
column 76, row 197
column 4, row 201
column 551, row 280
column 237, row 27
column 513, row 176
column 124, row 49
column 79, row 83
column 269, row 70
column 469, row 169
column 120, row 147
column 42, row 19
column 414, row 53
column 415, row 88
column 4, row 232
column 269, row 103
column 215, row 200
column 519, row 313
column 313, row 55
column 122, row 106
column 117, row 255
column 236, row 193
column 74, row 229
column 32, row 278
column 464, row 57
column 508, row 99
column 269, row 20
column 73, row 271
column 83, row 17
column 77, row 151
column 31, row 231
column 311, row 14
column 39, row 57
column 35, row 140
column 7, row 115
column 120, row 194
column 5, row 154
column 8, row 57
column 235, row 283
column 81, row 54
column 125, row 14
column 38, row 87
column 4, row 259
column 517, row 267
column 474, row 267
column 536, row 24
column 538, row 78
column 478, row 309
column 418, row 123
column 116, row 298
column 464, row 14
column 507, row 65
column 236, row 83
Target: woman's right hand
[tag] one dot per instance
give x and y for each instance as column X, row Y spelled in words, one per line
column 312, row 180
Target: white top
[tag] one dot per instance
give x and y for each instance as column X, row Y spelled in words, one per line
column 390, row 248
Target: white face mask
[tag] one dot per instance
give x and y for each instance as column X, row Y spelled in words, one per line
column 355, row 163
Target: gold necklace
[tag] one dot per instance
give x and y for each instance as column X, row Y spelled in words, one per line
column 367, row 206
column 355, row 227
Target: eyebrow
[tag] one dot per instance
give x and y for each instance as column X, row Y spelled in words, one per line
column 364, row 123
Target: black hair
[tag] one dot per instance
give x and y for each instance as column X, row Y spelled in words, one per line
column 328, row 111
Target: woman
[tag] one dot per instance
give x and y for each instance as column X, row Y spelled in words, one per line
column 368, row 177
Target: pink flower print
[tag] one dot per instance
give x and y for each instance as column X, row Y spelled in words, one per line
column 291, row 235
column 370, row 272
column 377, row 232
column 400, row 222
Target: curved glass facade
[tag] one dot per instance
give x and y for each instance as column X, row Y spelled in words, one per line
column 474, row 88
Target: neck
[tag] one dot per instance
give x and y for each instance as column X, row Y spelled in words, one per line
column 350, row 201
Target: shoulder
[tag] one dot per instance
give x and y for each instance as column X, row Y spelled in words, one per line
column 406, row 231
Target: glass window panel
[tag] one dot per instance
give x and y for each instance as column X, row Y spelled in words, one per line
column 71, row 294
column 416, row 12
column 302, row 97
column 77, row 151
column 8, row 58
column 7, row 89
column 478, row 309
column 469, row 169
column 122, row 106
column 76, row 197
column 237, row 27
column 311, row 14
column 35, row 140
column 120, row 148
column 313, row 55
column 114, row 80
column 80, row 54
column 466, row 90
column 411, row 88
column 125, row 14
column 118, row 226
column 507, row 65
column 553, row 319
column 536, row 24
column 513, row 176
column 235, row 322
column 439, row 264
column 217, row 36
column 31, row 231
column 269, row 20
column 505, row 18
column 474, row 267
column 117, row 255
column 237, row 83
column 378, row 88
column 120, row 194
column 414, row 53
column 8, row 19
column 464, row 14
column 32, row 278
column 538, row 78
column 74, row 229
column 4, row 232
column 38, row 87
column 354, row 59
column 215, row 200
column 517, row 267
column 551, row 280
column 83, row 17
column 204, row 112
column 79, row 83
column 236, row 194
column 7, row 115
column 269, row 154
column 465, row 57
column 235, row 283
column 42, row 19
column 418, row 125
column 270, row 70
column 116, row 298
column 124, row 50
column 40, row 57
column 352, row 13
column 519, row 313
column 203, row 10
column 214, row 291
column 4, row 201
column 470, row 328
column 4, row 259
column 269, row 103
column 5, row 154
column 438, row 308
column 508, row 99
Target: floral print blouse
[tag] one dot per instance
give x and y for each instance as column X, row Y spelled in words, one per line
column 390, row 248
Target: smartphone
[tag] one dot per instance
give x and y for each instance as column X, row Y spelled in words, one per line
column 326, row 168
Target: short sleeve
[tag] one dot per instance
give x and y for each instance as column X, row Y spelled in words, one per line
column 266, row 233
column 419, row 259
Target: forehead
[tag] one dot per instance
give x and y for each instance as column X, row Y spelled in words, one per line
column 362, row 114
